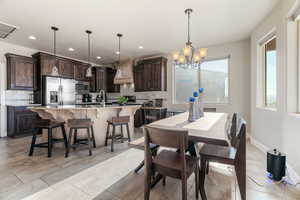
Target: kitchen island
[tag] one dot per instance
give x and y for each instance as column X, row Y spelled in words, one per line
column 97, row 113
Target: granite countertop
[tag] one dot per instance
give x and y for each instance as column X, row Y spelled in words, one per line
column 84, row 107
column 23, row 104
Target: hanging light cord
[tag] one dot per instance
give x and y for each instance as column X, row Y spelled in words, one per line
column 89, row 48
column 119, row 54
column 188, row 12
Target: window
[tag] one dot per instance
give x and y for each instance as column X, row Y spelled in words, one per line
column 212, row 76
column 270, row 86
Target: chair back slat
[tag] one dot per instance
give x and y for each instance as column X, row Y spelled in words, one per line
column 240, row 142
column 233, row 131
column 167, row 138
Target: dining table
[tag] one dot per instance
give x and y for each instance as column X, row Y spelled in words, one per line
column 209, row 129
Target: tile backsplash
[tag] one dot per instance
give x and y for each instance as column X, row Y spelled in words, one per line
column 17, row 97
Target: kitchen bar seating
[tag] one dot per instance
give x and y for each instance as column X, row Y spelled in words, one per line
column 114, row 122
column 169, row 163
column 49, row 125
column 75, row 125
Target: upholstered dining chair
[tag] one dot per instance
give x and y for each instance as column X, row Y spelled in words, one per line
column 169, row 163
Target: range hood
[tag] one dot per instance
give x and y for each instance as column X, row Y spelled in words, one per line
column 124, row 74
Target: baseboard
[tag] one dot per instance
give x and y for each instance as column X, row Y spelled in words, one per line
column 292, row 176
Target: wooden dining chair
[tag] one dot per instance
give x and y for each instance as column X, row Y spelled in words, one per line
column 230, row 132
column 232, row 155
column 169, row 163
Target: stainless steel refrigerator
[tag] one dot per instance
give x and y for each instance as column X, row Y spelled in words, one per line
column 58, row 91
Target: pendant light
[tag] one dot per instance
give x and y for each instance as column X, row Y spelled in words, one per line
column 89, row 70
column 190, row 57
column 54, row 71
column 119, row 72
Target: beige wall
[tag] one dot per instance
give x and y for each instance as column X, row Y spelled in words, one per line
column 280, row 128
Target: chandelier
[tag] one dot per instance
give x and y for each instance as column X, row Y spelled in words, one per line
column 189, row 57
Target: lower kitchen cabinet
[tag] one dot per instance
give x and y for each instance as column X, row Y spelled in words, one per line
column 20, row 121
column 139, row 118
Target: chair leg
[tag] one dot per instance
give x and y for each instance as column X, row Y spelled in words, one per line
column 147, row 185
column 122, row 139
column 139, row 167
column 89, row 141
column 202, row 178
column 107, row 134
column 33, row 142
column 49, row 142
column 63, row 130
column 113, row 138
column 184, row 188
column 197, row 181
column 93, row 137
column 128, row 133
column 164, row 181
column 75, row 138
column 69, row 142
column 207, row 167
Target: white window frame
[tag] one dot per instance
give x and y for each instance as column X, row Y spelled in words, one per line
column 199, row 82
column 262, row 67
column 298, row 66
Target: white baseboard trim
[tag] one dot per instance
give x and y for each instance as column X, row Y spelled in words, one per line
column 291, row 175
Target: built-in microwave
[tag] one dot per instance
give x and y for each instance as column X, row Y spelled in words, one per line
column 82, row 87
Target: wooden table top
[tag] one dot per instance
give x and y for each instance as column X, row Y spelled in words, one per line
column 211, row 126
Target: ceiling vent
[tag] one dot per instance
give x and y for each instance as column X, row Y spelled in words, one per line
column 6, row 30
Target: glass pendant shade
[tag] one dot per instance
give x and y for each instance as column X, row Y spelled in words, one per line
column 89, row 70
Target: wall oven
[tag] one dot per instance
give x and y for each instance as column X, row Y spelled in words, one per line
column 82, row 87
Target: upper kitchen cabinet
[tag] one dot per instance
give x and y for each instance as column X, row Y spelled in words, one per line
column 46, row 62
column 110, row 76
column 20, row 72
column 98, row 80
column 151, row 75
column 80, row 71
column 66, row 68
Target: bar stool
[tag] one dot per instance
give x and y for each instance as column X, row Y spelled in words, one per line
column 114, row 122
column 74, row 125
column 49, row 125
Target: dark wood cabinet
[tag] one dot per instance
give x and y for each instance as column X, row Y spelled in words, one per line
column 110, row 76
column 98, row 80
column 20, row 72
column 80, row 71
column 151, row 75
column 66, row 68
column 45, row 63
column 20, row 121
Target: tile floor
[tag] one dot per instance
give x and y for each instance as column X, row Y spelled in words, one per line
column 22, row 176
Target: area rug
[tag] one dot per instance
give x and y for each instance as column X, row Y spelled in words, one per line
column 91, row 182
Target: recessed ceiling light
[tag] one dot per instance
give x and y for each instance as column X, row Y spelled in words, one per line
column 117, row 52
column 71, row 49
column 98, row 57
column 141, row 47
column 31, row 37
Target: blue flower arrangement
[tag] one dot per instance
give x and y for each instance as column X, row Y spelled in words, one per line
column 201, row 90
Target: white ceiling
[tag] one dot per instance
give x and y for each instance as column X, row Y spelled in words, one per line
column 159, row 26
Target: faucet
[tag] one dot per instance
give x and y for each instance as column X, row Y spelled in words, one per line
column 102, row 93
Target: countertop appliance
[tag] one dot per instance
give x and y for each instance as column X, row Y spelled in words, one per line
column 58, row 91
column 86, row 98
